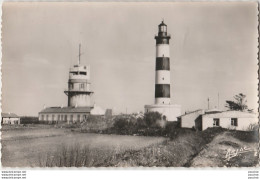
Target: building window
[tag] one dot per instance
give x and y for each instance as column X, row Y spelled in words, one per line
column 47, row 117
column 83, row 73
column 58, row 117
column 65, row 118
column 52, row 117
column 61, row 117
column 71, row 86
column 216, row 122
column 42, row 117
column 233, row 121
column 71, row 117
column 78, row 118
column 81, row 86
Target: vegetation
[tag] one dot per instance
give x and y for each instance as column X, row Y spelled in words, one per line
column 168, row 154
column 239, row 104
column 151, row 124
column 179, row 152
column 29, row 120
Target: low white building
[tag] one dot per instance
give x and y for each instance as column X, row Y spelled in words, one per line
column 236, row 120
column 64, row 114
column 187, row 120
column 10, row 118
column 97, row 110
column 201, row 119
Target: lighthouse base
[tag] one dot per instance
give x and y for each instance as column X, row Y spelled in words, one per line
column 170, row 112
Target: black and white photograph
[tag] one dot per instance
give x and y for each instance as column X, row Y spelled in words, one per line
column 129, row 85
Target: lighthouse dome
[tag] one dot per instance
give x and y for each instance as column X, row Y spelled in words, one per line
column 162, row 24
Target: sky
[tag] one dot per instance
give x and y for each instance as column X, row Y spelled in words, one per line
column 213, row 50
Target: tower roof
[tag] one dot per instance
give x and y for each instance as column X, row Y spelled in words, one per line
column 162, row 24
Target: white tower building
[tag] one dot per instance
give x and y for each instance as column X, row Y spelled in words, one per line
column 79, row 93
column 162, row 78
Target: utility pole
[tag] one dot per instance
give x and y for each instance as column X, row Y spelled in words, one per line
column 218, row 100
column 208, row 103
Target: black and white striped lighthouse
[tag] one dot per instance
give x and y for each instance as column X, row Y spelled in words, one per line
column 162, row 103
column 162, row 75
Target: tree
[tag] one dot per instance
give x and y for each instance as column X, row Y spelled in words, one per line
column 239, row 104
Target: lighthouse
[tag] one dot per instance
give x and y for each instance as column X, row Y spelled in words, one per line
column 79, row 93
column 162, row 102
column 162, row 73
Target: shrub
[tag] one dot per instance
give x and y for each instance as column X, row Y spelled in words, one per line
column 121, row 124
column 151, row 118
column 253, row 127
column 29, row 120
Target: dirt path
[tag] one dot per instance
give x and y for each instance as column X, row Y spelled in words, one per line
column 214, row 154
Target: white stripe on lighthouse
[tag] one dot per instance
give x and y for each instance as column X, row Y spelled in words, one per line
column 162, row 101
column 162, row 77
column 162, row 50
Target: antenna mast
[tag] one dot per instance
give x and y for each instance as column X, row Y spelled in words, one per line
column 79, row 54
column 208, row 103
column 218, row 100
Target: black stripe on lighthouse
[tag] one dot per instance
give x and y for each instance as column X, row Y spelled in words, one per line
column 162, row 39
column 162, row 63
column 162, row 90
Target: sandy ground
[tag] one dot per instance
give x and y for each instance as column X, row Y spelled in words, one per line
column 23, row 147
column 214, row 154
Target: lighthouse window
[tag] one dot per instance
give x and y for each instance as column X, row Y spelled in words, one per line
column 163, row 28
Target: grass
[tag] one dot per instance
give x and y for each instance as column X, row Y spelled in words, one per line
column 50, row 147
column 168, row 153
column 26, row 147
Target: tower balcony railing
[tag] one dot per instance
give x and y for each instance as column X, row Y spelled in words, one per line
column 78, row 76
column 66, row 91
column 168, row 35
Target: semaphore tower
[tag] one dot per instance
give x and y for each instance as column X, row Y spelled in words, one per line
column 79, row 93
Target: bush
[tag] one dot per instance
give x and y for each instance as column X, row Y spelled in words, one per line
column 211, row 132
column 151, row 118
column 29, row 120
column 176, row 132
column 246, row 136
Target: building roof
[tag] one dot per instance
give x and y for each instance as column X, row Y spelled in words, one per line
column 231, row 114
column 11, row 115
column 214, row 110
column 66, row 110
column 187, row 113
